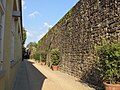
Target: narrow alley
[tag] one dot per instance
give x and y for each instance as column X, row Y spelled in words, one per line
column 79, row 38
column 33, row 76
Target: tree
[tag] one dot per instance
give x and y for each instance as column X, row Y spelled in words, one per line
column 32, row 46
column 24, row 35
column 23, row 42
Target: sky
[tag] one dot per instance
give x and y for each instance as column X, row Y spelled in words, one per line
column 40, row 15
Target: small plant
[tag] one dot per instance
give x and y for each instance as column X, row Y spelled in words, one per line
column 109, row 62
column 55, row 56
column 36, row 56
column 43, row 56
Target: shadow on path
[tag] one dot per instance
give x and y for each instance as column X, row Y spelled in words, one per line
column 28, row 77
column 36, row 78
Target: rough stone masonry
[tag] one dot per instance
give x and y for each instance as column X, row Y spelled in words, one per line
column 77, row 34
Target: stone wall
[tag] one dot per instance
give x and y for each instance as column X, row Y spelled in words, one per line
column 79, row 31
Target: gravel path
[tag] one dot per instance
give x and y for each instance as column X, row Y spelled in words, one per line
column 55, row 80
column 33, row 76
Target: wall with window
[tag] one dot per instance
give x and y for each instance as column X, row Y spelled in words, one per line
column 10, row 42
column 2, row 18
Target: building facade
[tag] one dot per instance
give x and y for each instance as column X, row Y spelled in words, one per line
column 10, row 41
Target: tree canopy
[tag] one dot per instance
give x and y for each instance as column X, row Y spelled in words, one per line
column 32, row 44
column 24, row 35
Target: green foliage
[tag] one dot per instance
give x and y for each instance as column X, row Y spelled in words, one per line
column 55, row 56
column 24, row 35
column 32, row 44
column 23, row 41
column 46, row 35
column 32, row 48
column 109, row 62
column 36, row 56
column 43, row 56
column 70, row 12
column 40, row 42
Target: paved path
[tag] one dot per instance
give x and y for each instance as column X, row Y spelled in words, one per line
column 37, row 77
column 22, row 81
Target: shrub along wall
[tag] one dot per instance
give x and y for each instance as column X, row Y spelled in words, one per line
column 79, row 31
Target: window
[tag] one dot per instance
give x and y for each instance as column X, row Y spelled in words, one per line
column 12, row 40
column 1, row 31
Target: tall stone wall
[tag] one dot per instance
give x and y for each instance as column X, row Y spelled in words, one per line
column 79, row 31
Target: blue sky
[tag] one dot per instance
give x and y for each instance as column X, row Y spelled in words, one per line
column 39, row 15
